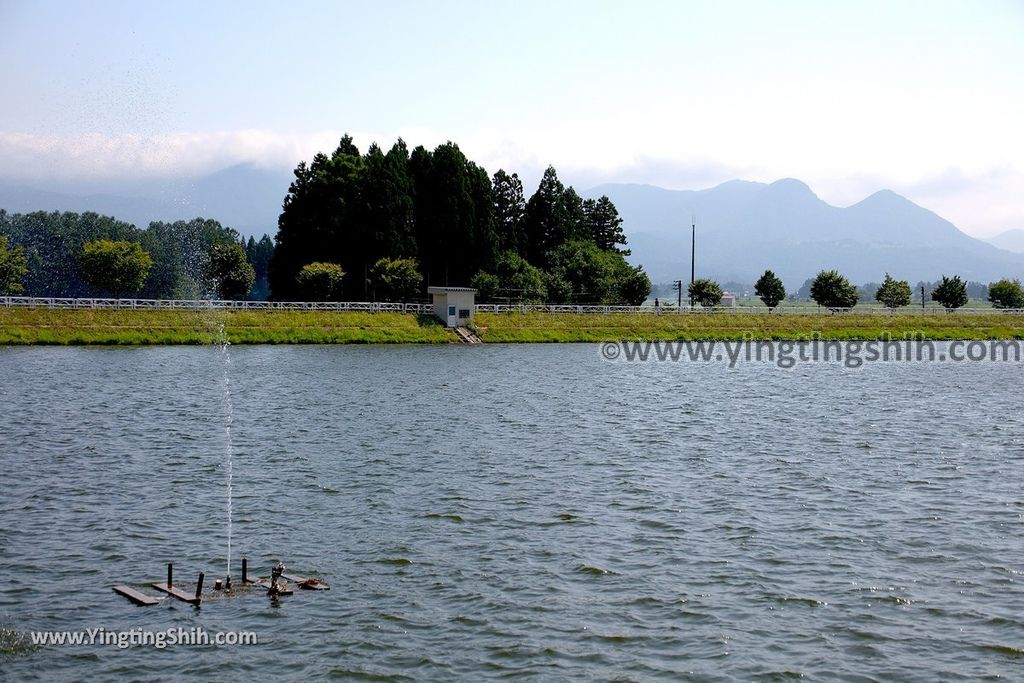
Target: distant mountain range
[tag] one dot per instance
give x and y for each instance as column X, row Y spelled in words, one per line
column 1011, row 240
column 742, row 227
column 243, row 197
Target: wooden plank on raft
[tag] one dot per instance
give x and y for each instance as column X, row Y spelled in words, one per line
column 136, row 597
column 176, row 592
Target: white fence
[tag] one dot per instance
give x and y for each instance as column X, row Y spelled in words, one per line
column 211, row 304
column 376, row 307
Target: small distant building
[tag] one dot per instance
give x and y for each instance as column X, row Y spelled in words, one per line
column 728, row 300
column 453, row 305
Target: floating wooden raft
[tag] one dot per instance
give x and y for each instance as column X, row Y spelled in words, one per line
column 196, row 598
column 175, row 592
column 136, row 597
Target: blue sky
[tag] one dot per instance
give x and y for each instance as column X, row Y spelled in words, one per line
column 926, row 98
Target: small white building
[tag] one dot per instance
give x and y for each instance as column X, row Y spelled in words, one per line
column 728, row 300
column 453, row 305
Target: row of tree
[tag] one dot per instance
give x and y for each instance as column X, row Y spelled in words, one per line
column 389, row 279
column 45, row 254
column 118, row 267
column 866, row 291
column 832, row 290
column 444, row 217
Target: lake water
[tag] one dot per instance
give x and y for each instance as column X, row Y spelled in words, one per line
column 528, row 511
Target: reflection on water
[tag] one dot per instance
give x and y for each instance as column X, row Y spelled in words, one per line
column 490, row 511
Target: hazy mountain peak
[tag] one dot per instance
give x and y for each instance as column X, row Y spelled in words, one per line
column 633, row 188
column 790, row 187
column 885, row 198
column 736, row 184
column 1011, row 240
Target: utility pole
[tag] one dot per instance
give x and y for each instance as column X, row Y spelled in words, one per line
column 678, row 284
column 922, row 297
column 693, row 254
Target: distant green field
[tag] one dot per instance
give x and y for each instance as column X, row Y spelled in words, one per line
column 136, row 327
column 583, row 327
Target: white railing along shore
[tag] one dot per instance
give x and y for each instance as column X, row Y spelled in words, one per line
column 211, row 304
column 382, row 306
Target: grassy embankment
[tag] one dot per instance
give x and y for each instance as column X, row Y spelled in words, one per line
column 117, row 327
column 127, row 327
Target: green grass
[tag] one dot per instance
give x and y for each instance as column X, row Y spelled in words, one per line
column 128, row 327
column 596, row 327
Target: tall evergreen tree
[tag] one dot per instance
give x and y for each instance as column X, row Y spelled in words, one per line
column 509, row 212
column 319, row 220
column 604, row 224
column 545, row 216
column 446, row 213
column 573, row 226
column 485, row 229
column 387, row 194
column 421, row 171
column 454, row 210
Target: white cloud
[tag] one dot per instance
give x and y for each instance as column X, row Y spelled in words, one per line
column 97, row 156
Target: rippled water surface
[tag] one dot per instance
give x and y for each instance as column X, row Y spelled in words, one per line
column 527, row 511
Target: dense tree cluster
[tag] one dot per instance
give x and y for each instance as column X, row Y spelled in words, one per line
column 770, row 289
column 832, row 290
column 115, row 267
column 1006, row 294
column 51, row 246
column 320, row 281
column 705, row 293
column 13, row 268
column 258, row 254
column 951, row 292
column 445, row 214
column 893, row 293
column 396, row 279
column 229, row 270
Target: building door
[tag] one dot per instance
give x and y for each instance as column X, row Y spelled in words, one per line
column 451, row 316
